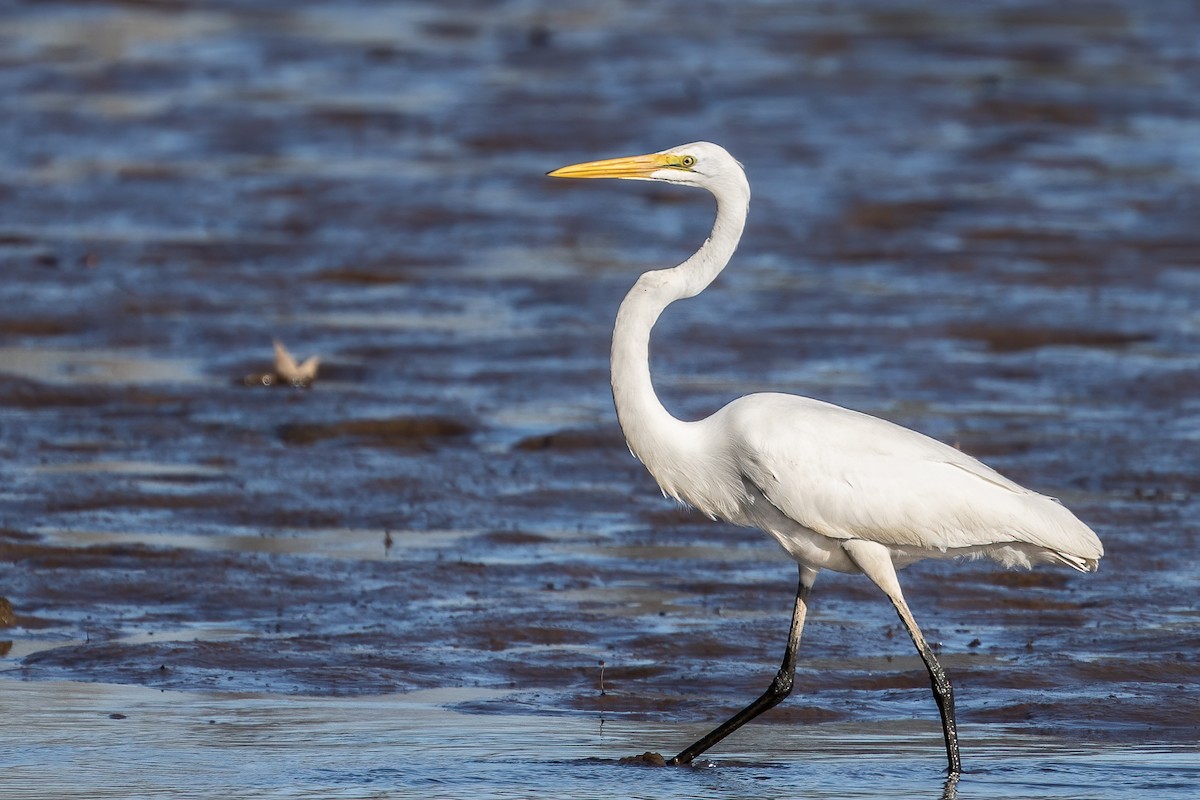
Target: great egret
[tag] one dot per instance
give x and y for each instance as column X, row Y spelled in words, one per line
column 838, row 489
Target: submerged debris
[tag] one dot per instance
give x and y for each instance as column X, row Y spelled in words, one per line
column 287, row 372
column 405, row 432
column 647, row 759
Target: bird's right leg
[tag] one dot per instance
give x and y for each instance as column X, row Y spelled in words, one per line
column 876, row 563
column 780, row 687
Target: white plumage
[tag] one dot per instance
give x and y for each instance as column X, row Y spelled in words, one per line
column 837, row 489
column 845, row 475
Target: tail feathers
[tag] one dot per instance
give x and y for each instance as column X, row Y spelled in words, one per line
column 1066, row 540
column 1075, row 562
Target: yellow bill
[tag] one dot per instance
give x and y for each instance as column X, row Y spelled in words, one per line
column 628, row 167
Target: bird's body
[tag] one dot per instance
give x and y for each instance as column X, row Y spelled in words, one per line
column 838, row 489
column 862, row 478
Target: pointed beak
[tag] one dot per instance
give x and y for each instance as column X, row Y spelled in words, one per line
column 630, row 167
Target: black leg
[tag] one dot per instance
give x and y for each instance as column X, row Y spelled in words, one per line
column 943, row 692
column 876, row 563
column 780, row 687
column 950, row 788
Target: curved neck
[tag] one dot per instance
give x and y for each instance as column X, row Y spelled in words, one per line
column 649, row 428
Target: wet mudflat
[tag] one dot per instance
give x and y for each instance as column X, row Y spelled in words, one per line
column 438, row 572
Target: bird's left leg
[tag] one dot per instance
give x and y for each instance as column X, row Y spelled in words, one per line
column 780, row 687
column 876, row 563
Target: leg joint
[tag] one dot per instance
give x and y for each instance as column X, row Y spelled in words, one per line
column 781, row 686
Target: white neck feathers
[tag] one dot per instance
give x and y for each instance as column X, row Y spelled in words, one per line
column 649, row 428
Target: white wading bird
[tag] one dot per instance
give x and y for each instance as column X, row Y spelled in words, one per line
column 837, row 489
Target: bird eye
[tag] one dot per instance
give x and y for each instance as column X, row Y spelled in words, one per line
column 687, row 161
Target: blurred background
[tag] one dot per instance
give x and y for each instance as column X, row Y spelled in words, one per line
column 977, row 219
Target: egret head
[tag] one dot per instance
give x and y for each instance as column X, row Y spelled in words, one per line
column 701, row 164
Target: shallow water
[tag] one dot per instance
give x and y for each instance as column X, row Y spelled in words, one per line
column 229, row 744
column 438, row 570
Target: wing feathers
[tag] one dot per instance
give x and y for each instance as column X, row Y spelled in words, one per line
column 852, row 476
